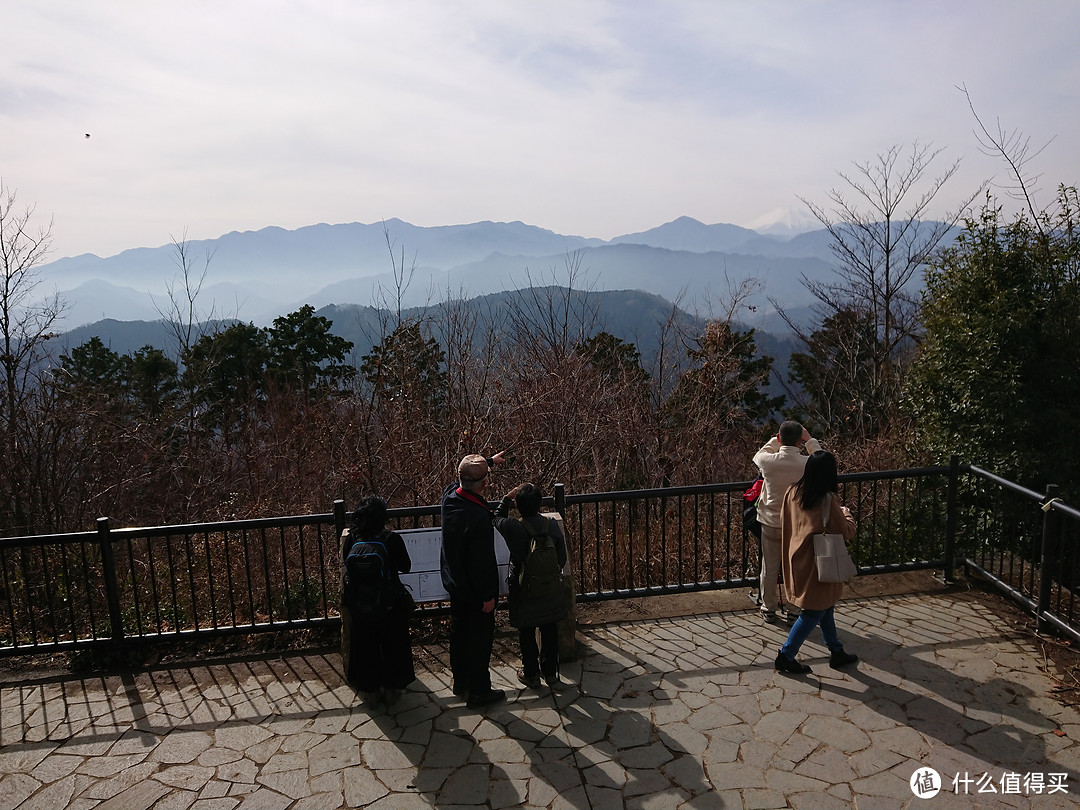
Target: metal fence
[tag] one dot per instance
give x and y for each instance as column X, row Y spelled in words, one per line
column 1026, row 543
column 684, row 539
column 112, row 588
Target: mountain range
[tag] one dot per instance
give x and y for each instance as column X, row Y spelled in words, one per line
column 631, row 315
column 258, row 275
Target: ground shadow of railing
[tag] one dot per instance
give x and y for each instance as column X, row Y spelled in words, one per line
column 117, row 588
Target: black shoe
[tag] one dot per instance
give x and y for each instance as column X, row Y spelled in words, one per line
column 460, row 690
column 785, row 664
column 839, row 658
column 531, row 681
column 555, row 683
column 486, row 698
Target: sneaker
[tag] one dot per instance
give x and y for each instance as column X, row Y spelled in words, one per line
column 555, row 683
column 792, row 667
column 839, row 658
column 488, row 698
column 531, row 681
column 768, row 616
column 790, row 616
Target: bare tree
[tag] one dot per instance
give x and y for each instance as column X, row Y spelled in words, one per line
column 26, row 323
column 708, row 394
column 1014, row 148
column 403, row 275
column 181, row 313
column 882, row 236
column 557, row 315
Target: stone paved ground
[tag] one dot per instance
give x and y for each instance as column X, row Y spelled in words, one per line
column 666, row 713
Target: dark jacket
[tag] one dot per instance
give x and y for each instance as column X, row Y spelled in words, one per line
column 470, row 572
column 530, row 612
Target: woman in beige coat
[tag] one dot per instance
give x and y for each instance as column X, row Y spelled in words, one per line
column 811, row 507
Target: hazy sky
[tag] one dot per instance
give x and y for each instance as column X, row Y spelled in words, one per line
column 585, row 117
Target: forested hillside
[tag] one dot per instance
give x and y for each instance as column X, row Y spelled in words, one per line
column 235, row 420
column 598, row 392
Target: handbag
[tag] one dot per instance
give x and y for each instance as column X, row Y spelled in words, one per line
column 834, row 564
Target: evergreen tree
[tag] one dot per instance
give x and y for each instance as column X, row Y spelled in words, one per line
column 997, row 377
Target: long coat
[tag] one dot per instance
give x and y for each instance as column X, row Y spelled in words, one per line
column 798, row 527
column 377, row 653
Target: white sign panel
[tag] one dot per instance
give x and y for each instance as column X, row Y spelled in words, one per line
column 425, row 579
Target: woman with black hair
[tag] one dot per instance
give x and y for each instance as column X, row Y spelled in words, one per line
column 810, row 507
column 376, row 651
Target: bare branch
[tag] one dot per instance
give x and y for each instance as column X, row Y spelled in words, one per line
column 1015, row 149
column 181, row 313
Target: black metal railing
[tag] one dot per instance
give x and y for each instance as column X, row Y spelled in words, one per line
column 1027, row 544
column 115, row 587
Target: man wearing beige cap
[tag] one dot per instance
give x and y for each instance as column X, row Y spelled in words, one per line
column 470, row 575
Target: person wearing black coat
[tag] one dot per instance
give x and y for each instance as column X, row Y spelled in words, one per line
column 530, row 613
column 470, row 574
column 376, row 652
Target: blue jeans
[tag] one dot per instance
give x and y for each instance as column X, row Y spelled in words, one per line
column 807, row 621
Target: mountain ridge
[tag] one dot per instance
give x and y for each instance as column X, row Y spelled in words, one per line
column 258, row 275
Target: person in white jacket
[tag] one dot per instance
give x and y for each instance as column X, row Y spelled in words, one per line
column 781, row 461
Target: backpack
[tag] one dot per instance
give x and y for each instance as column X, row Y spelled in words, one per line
column 749, row 514
column 540, row 576
column 368, row 579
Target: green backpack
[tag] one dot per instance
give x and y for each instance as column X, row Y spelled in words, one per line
column 540, row 576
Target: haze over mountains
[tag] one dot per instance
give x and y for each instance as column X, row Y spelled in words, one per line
column 258, row 275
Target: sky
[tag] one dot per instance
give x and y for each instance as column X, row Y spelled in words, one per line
column 588, row 117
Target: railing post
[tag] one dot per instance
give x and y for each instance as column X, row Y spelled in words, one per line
column 952, row 504
column 112, row 590
column 560, row 500
column 339, row 516
column 1048, row 555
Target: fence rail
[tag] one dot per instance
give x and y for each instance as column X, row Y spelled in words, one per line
column 118, row 587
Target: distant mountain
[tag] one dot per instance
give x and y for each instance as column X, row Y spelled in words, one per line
column 688, row 234
column 122, row 337
column 126, row 337
column 97, row 299
column 786, row 223
column 630, row 315
column 258, row 275
column 279, row 257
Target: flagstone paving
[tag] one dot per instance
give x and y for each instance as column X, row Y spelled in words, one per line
column 681, row 712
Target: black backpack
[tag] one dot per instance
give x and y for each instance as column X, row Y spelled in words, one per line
column 540, row 576
column 368, row 578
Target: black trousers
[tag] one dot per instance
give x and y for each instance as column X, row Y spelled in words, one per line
column 377, row 654
column 472, row 635
column 543, row 659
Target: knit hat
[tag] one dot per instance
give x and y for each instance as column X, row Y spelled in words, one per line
column 473, row 467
